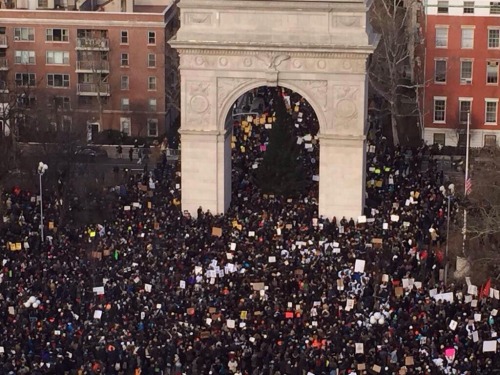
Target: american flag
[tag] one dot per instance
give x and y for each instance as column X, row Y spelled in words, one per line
column 468, row 186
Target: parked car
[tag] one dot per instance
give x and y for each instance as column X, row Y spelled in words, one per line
column 90, row 154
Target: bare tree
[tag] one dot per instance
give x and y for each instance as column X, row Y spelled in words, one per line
column 392, row 66
column 17, row 100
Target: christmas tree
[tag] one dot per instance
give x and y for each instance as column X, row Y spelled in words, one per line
column 281, row 171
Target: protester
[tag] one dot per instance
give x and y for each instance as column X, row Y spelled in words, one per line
column 268, row 288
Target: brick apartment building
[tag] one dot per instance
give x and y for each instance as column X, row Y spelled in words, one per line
column 88, row 65
column 462, row 55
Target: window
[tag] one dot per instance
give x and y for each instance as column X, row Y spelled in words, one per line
column 124, row 59
column 490, row 140
column 440, row 139
column 125, row 125
column 25, row 79
column 492, row 72
column 443, row 7
column 441, row 37
column 25, row 57
column 26, row 34
column 494, row 7
column 125, row 104
column 58, row 80
column 440, row 71
column 152, row 127
column 467, row 37
column 57, row 35
column 124, row 37
column 57, row 57
column 60, row 102
column 152, row 104
column 124, row 82
column 490, row 115
column 468, row 7
column 151, row 60
column 493, row 38
column 152, row 83
column 466, row 71
column 439, row 109
column 151, row 37
column 464, row 108
column 43, row 3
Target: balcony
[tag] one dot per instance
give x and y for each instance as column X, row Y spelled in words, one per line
column 94, row 44
column 91, row 66
column 3, row 41
column 93, row 89
column 4, row 64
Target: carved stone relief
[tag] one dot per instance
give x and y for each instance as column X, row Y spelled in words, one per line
column 272, row 61
column 198, row 18
column 225, row 86
column 318, row 91
column 198, row 110
column 345, row 106
column 346, row 21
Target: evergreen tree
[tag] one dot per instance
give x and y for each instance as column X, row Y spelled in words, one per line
column 281, row 171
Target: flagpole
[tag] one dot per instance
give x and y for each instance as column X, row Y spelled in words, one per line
column 467, row 145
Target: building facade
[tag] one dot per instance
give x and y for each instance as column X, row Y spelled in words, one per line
column 462, row 55
column 87, row 66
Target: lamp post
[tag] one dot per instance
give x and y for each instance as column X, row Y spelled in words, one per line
column 446, row 264
column 467, row 145
column 42, row 168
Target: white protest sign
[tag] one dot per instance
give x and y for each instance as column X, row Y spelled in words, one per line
column 230, row 323
column 360, row 348
column 272, row 259
column 489, row 346
column 97, row 314
column 453, row 325
column 182, row 284
column 359, row 265
column 349, row 305
column 148, row 287
column 472, row 289
column 394, row 218
column 99, row 290
column 475, row 336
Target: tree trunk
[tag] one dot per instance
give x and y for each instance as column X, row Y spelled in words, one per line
column 394, row 126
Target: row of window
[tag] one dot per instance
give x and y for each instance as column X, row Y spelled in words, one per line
column 466, row 69
column 62, row 58
column 467, row 37
column 57, row 80
column 489, row 140
column 467, row 8
column 27, row 34
column 464, row 108
column 64, row 103
column 152, row 126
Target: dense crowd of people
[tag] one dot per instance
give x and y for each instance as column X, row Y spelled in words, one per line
column 268, row 288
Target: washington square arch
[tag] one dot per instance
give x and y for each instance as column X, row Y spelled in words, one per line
column 317, row 48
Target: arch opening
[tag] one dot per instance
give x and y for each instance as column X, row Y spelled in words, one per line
column 251, row 119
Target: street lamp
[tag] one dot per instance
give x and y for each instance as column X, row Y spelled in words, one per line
column 446, row 265
column 42, row 168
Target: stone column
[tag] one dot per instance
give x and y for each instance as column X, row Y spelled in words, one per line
column 342, row 176
column 205, row 170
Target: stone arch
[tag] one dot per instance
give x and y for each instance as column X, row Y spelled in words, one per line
column 227, row 48
column 243, row 88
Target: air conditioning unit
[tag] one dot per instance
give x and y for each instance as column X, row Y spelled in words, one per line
column 467, row 81
column 16, row 38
